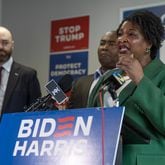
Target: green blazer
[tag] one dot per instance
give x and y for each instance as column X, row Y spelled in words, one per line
column 144, row 104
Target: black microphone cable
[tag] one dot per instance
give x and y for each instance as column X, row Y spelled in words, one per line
column 38, row 104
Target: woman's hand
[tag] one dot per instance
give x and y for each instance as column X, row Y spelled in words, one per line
column 131, row 67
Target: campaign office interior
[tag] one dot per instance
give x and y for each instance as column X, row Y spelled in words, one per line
column 30, row 23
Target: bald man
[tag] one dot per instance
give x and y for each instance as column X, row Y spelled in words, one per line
column 107, row 56
column 19, row 85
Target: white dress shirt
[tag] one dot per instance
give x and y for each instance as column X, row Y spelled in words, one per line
column 108, row 100
column 4, row 79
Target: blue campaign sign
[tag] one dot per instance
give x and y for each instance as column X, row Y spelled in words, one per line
column 159, row 10
column 75, row 64
column 82, row 136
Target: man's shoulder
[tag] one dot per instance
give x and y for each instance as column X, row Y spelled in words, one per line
column 87, row 77
column 22, row 67
column 83, row 80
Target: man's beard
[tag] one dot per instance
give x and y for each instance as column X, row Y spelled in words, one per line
column 4, row 56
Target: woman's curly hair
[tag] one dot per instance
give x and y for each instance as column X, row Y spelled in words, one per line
column 151, row 28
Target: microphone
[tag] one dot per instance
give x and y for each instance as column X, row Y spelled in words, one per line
column 114, row 82
column 66, row 82
column 40, row 103
column 55, row 93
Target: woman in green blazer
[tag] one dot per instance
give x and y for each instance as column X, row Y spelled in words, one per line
column 139, row 38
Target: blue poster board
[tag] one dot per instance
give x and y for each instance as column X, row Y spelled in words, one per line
column 73, row 63
column 71, row 137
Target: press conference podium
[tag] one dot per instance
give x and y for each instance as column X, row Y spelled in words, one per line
column 83, row 136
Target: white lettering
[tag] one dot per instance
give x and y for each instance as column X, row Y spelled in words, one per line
column 69, row 29
column 55, row 91
column 18, row 147
column 60, row 147
column 51, row 148
column 47, row 147
column 69, row 37
column 36, row 128
column 33, row 149
column 45, row 123
column 25, row 128
column 80, row 123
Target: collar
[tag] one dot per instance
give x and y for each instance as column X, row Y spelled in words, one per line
column 7, row 65
column 97, row 74
column 152, row 69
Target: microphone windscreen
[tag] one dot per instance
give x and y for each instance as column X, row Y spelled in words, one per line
column 65, row 82
column 115, row 80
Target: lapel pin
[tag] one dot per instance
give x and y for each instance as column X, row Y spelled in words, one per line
column 16, row 74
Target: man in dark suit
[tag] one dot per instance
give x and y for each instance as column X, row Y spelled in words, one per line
column 19, row 85
column 107, row 56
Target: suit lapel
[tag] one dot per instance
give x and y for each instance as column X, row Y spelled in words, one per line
column 88, row 84
column 12, row 81
column 93, row 97
column 127, row 91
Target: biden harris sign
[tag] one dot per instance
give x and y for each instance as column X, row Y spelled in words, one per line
column 71, row 137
